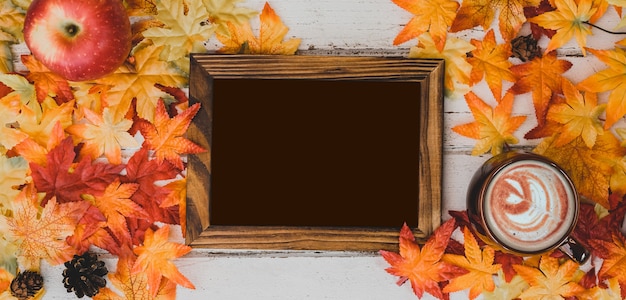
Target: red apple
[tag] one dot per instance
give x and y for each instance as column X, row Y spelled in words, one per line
column 78, row 39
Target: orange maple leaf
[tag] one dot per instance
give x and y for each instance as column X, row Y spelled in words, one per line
column 5, row 280
column 116, row 205
column 178, row 196
column 433, row 16
column 589, row 169
column 154, row 259
column 43, row 232
column 579, row 116
column 46, row 82
column 493, row 128
column 165, row 135
column 103, row 134
column 569, row 20
column 478, row 262
column 491, row 61
column 614, row 259
column 134, row 286
column 551, row 280
column 611, row 79
column 270, row 40
column 423, row 268
column 482, row 12
column 542, row 76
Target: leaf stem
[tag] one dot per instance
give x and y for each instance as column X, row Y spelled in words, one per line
column 605, row 30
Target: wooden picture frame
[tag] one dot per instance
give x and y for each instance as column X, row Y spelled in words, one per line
column 209, row 72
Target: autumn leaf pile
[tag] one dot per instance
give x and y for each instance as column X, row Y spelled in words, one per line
column 99, row 164
column 579, row 125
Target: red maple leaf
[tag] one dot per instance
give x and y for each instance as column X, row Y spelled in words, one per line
column 590, row 227
column 67, row 181
column 533, row 11
column 138, row 228
column 182, row 102
column 508, row 260
column 145, row 171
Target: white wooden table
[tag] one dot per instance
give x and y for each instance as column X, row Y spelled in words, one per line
column 328, row 26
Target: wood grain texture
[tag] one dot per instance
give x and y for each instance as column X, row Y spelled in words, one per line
column 206, row 67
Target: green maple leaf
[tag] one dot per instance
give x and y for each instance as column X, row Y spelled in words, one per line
column 185, row 29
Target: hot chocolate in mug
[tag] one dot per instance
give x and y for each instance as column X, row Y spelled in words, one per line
column 526, row 204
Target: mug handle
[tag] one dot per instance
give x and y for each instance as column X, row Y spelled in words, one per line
column 574, row 250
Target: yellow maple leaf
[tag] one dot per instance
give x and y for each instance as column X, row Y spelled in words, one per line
column 138, row 81
column 222, row 12
column 6, row 56
column 457, row 69
column 24, row 89
column 270, row 41
column 10, row 108
column 479, row 263
column 89, row 95
column 589, row 168
column 551, row 280
column 33, row 152
column 569, row 21
column 14, row 173
column 154, row 258
column 433, row 16
column 185, row 29
column 611, row 292
column 579, row 116
column 41, row 232
column 104, row 135
column 611, row 79
column 12, row 20
column 493, row 127
column 506, row 290
column 482, row 13
column 40, row 128
column 491, row 61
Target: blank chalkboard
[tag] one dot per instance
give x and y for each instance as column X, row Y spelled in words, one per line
column 307, row 152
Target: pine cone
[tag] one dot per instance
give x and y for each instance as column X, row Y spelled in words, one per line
column 525, row 48
column 26, row 285
column 84, row 275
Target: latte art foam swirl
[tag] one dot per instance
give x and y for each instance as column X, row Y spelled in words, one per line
column 528, row 206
